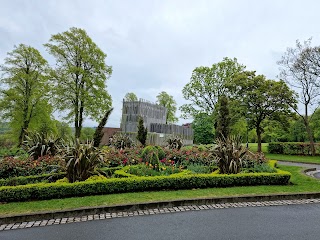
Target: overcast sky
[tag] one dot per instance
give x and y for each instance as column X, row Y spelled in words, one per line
column 153, row 46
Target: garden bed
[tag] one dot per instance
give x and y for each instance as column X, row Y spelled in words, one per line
column 137, row 184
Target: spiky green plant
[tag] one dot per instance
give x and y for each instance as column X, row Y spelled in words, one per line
column 174, row 143
column 121, row 141
column 38, row 145
column 82, row 160
column 229, row 154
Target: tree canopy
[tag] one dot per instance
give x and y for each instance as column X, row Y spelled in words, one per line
column 207, row 84
column 262, row 99
column 167, row 101
column 24, row 97
column 130, row 97
column 79, row 78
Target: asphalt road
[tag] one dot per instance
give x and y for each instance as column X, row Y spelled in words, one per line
column 276, row 222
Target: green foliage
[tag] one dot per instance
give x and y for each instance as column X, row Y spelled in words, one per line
column 259, row 168
column 39, row 145
column 157, row 150
column 198, row 168
column 14, row 151
column 64, row 131
column 96, row 178
column 142, row 132
column 262, row 99
column 147, row 170
column 291, row 148
column 24, row 96
column 207, row 84
column 229, row 154
column 223, row 120
column 87, row 134
column 121, row 141
column 167, row 101
column 15, row 181
column 130, row 97
column 174, row 142
column 79, row 79
column 81, row 161
column 98, row 134
column 136, row 184
column 203, row 128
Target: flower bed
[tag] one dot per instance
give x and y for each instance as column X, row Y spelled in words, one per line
column 136, row 184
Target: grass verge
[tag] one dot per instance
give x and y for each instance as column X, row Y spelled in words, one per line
column 293, row 158
column 300, row 183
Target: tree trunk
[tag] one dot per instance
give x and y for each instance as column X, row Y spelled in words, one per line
column 310, row 136
column 258, row 130
column 309, row 132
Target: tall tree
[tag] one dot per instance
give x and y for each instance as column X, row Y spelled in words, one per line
column 98, row 134
column 300, row 71
column 130, row 97
column 25, row 87
column 167, row 101
column 142, row 132
column 262, row 99
column 79, row 78
column 207, row 84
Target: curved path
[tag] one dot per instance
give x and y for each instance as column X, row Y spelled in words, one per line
column 315, row 173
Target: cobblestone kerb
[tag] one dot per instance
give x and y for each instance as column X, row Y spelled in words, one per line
column 88, row 211
column 120, row 214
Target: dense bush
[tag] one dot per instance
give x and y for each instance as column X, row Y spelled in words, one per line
column 156, row 149
column 13, row 167
column 292, row 148
column 10, row 152
column 14, row 181
column 136, row 184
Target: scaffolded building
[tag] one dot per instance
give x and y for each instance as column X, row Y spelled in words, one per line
column 154, row 118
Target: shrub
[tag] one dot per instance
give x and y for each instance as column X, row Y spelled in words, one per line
column 175, row 143
column 38, row 145
column 14, row 181
column 142, row 132
column 121, row 141
column 229, row 154
column 13, row 167
column 82, row 160
column 197, row 168
column 135, row 184
column 155, row 149
column 291, row 148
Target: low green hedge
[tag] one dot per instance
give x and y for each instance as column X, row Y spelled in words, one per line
column 23, row 180
column 292, row 148
column 136, row 184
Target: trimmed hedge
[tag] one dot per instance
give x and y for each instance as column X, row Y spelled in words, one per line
column 136, row 184
column 292, row 148
column 14, row 181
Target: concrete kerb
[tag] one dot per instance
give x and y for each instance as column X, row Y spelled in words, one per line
column 152, row 205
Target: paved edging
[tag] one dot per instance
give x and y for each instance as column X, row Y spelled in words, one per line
column 152, row 205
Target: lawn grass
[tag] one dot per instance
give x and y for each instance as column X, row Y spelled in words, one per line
column 294, row 158
column 300, row 183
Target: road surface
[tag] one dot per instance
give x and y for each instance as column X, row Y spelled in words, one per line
column 274, row 222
